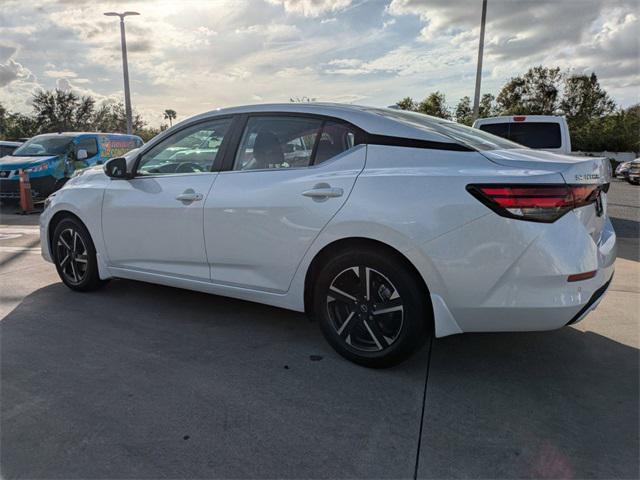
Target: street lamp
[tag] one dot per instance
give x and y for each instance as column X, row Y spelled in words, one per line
column 476, row 97
column 125, row 67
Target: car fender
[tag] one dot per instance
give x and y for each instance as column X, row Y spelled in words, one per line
column 90, row 214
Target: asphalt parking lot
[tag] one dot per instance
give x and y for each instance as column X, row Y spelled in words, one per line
column 145, row 381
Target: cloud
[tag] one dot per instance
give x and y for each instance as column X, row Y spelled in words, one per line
column 195, row 55
column 60, row 73
column 6, row 52
column 13, row 71
column 312, row 8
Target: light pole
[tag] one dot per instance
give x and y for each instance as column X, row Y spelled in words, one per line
column 125, row 66
column 476, row 97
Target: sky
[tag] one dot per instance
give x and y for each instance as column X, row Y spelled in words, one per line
column 193, row 56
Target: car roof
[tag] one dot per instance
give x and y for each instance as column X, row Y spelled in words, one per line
column 523, row 118
column 7, row 143
column 78, row 134
column 374, row 120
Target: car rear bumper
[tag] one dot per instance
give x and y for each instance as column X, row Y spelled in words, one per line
column 592, row 303
column 41, row 187
column 516, row 276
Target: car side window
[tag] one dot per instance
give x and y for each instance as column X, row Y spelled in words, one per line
column 89, row 144
column 335, row 139
column 277, row 142
column 191, row 150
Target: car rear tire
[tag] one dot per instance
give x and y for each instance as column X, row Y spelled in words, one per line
column 74, row 255
column 371, row 308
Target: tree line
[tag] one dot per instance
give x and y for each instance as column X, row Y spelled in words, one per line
column 64, row 111
column 595, row 122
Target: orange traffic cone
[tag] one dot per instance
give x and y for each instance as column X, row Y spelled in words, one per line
column 26, row 201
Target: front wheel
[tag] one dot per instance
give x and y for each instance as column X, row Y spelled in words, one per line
column 371, row 308
column 75, row 256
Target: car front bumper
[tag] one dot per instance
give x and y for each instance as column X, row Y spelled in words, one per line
column 41, row 187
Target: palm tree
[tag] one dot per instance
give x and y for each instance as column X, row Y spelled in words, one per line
column 170, row 115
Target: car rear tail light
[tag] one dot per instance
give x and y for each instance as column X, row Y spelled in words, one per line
column 537, row 203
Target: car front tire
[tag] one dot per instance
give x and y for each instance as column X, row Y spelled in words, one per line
column 371, row 308
column 74, row 256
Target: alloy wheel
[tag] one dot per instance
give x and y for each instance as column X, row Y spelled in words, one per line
column 365, row 309
column 72, row 255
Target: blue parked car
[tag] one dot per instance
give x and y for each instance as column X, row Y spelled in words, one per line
column 51, row 159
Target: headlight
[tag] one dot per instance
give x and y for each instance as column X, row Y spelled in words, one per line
column 37, row 168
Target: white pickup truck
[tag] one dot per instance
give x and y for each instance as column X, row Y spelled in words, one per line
column 543, row 132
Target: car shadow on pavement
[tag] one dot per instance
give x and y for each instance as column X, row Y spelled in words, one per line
column 561, row 404
column 145, row 381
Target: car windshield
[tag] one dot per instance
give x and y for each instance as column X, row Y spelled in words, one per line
column 44, row 145
column 471, row 137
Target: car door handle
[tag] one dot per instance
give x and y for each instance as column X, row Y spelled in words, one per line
column 189, row 196
column 323, row 192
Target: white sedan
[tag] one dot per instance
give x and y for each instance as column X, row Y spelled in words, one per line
column 385, row 226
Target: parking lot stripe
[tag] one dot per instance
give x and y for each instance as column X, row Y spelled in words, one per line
column 424, row 401
column 19, row 249
column 22, row 230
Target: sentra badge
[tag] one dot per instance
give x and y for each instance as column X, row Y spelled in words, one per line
column 588, row 176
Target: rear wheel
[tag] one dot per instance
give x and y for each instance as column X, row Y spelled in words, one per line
column 75, row 256
column 371, row 308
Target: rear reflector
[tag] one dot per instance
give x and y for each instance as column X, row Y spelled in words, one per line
column 581, row 276
column 537, row 203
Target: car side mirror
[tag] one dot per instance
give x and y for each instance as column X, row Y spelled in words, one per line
column 116, row 168
column 82, row 154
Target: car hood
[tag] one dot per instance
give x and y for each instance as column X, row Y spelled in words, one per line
column 87, row 175
column 23, row 162
column 574, row 169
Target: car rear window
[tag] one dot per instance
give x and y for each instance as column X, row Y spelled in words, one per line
column 499, row 129
column 467, row 136
column 536, row 134
column 529, row 134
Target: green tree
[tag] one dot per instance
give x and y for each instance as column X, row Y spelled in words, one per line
column 406, row 103
column 303, row 99
column 148, row 133
column 584, row 98
column 591, row 114
column 434, row 104
column 170, row 115
column 60, row 110
column 111, row 117
column 463, row 112
column 586, row 104
column 618, row 132
column 537, row 92
column 488, row 107
column 18, row 125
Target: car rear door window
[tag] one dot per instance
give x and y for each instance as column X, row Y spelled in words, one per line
column 277, row 142
column 335, row 139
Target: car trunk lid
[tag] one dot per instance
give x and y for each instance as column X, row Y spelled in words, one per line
column 575, row 170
